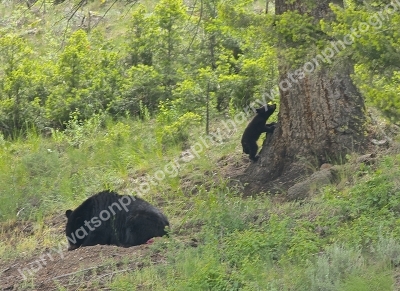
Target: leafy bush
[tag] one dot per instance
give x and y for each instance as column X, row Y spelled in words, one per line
column 22, row 87
column 173, row 125
column 141, row 87
column 85, row 81
column 380, row 91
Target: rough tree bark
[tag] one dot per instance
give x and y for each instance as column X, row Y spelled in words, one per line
column 321, row 118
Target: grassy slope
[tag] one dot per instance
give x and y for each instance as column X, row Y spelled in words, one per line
column 343, row 238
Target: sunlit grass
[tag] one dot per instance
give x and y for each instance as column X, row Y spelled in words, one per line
column 330, row 241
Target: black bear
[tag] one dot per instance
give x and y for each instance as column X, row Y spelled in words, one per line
column 255, row 128
column 108, row 218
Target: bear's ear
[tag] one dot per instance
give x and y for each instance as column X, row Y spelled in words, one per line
column 260, row 110
column 68, row 213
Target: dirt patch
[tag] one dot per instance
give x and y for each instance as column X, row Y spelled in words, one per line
column 296, row 174
column 227, row 167
column 87, row 268
column 233, row 166
column 10, row 228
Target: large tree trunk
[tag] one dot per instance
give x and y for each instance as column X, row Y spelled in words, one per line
column 321, row 118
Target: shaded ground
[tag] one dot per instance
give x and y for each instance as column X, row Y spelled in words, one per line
column 89, row 268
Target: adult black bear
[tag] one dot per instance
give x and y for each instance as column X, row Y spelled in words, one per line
column 107, row 218
column 255, row 128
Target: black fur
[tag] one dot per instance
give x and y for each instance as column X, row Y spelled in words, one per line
column 87, row 225
column 255, row 128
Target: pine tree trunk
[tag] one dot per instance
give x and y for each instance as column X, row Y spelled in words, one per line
column 321, row 119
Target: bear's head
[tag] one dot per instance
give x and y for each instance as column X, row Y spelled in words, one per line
column 266, row 111
column 74, row 224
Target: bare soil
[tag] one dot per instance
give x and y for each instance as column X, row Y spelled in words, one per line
column 88, row 268
column 73, row 270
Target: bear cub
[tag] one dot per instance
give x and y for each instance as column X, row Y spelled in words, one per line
column 255, row 128
column 108, row 218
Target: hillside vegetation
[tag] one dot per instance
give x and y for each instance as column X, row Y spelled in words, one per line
column 121, row 96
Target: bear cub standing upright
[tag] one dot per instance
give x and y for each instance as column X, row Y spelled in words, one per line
column 255, row 128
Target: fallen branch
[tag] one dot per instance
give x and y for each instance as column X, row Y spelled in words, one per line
column 113, row 273
column 73, row 273
column 6, row 269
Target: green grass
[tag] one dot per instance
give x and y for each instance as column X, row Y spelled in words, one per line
column 340, row 240
column 241, row 252
column 343, row 238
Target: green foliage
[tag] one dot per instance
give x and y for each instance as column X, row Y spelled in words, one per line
column 141, row 86
column 173, row 126
column 380, row 91
column 86, row 79
column 140, row 47
column 22, row 87
column 332, row 267
column 374, row 43
column 252, row 82
column 222, row 219
column 298, row 35
column 72, row 77
column 368, row 210
column 207, row 59
column 236, row 13
column 170, row 16
column 372, row 280
column 77, row 132
column 377, row 192
column 220, row 49
column 190, row 97
column 242, row 247
column 374, row 36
